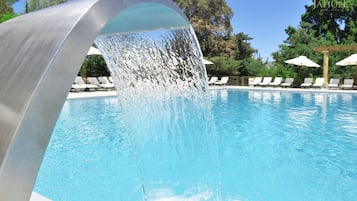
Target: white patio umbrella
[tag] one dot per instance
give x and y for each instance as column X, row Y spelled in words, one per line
column 349, row 61
column 302, row 61
column 93, row 51
column 206, row 62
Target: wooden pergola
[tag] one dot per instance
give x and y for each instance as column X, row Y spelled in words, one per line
column 326, row 50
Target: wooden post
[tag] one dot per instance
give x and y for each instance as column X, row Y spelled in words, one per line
column 326, row 49
column 325, row 67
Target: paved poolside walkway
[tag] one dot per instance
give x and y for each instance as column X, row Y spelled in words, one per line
column 286, row 89
column 92, row 94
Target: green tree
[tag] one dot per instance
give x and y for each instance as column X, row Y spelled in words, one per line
column 94, row 66
column 244, row 49
column 33, row 5
column 253, row 67
column 211, row 22
column 336, row 18
column 299, row 42
column 7, row 16
column 223, row 66
column 6, row 7
column 334, row 23
column 231, row 54
column 6, row 10
column 237, row 58
column 325, row 23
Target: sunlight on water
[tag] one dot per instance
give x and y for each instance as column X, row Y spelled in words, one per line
column 161, row 83
column 278, row 146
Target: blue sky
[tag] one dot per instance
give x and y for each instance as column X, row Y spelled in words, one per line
column 19, row 6
column 264, row 21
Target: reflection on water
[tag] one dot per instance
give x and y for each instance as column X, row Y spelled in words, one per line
column 299, row 118
column 288, row 146
column 254, row 95
column 347, row 98
column 266, row 97
column 308, row 105
column 224, row 95
column 276, row 97
column 349, row 121
column 277, row 150
column 306, row 97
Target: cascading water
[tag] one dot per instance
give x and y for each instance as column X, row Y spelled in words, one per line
column 161, row 84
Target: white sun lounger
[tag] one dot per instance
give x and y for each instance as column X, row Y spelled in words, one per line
column 334, row 83
column 212, row 80
column 288, row 82
column 93, row 81
column 255, row 81
column 266, row 81
column 347, row 84
column 319, row 82
column 223, row 81
column 80, row 85
column 307, row 82
column 105, row 83
column 277, row 81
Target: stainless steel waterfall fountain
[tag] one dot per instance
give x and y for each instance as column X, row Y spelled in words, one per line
column 40, row 55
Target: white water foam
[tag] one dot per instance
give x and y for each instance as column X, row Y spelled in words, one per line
column 162, row 87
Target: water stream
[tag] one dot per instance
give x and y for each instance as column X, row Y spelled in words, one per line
column 161, row 84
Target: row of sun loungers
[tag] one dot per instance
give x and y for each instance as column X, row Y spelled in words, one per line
column 106, row 83
column 214, row 81
column 92, row 83
column 308, row 82
column 334, row 83
column 267, row 81
column 347, row 83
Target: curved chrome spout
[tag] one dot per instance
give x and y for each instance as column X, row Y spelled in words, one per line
column 40, row 55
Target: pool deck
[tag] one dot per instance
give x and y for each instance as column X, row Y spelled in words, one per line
column 316, row 90
column 92, row 94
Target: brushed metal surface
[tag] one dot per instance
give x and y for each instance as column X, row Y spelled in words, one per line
column 40, row 55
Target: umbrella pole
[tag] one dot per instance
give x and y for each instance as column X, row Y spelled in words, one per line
column 356, row 74
column 299, row 73
column 85, row 69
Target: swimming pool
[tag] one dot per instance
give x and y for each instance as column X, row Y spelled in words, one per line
column 272, row 145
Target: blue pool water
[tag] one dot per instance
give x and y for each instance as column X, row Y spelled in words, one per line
column 272, row 146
